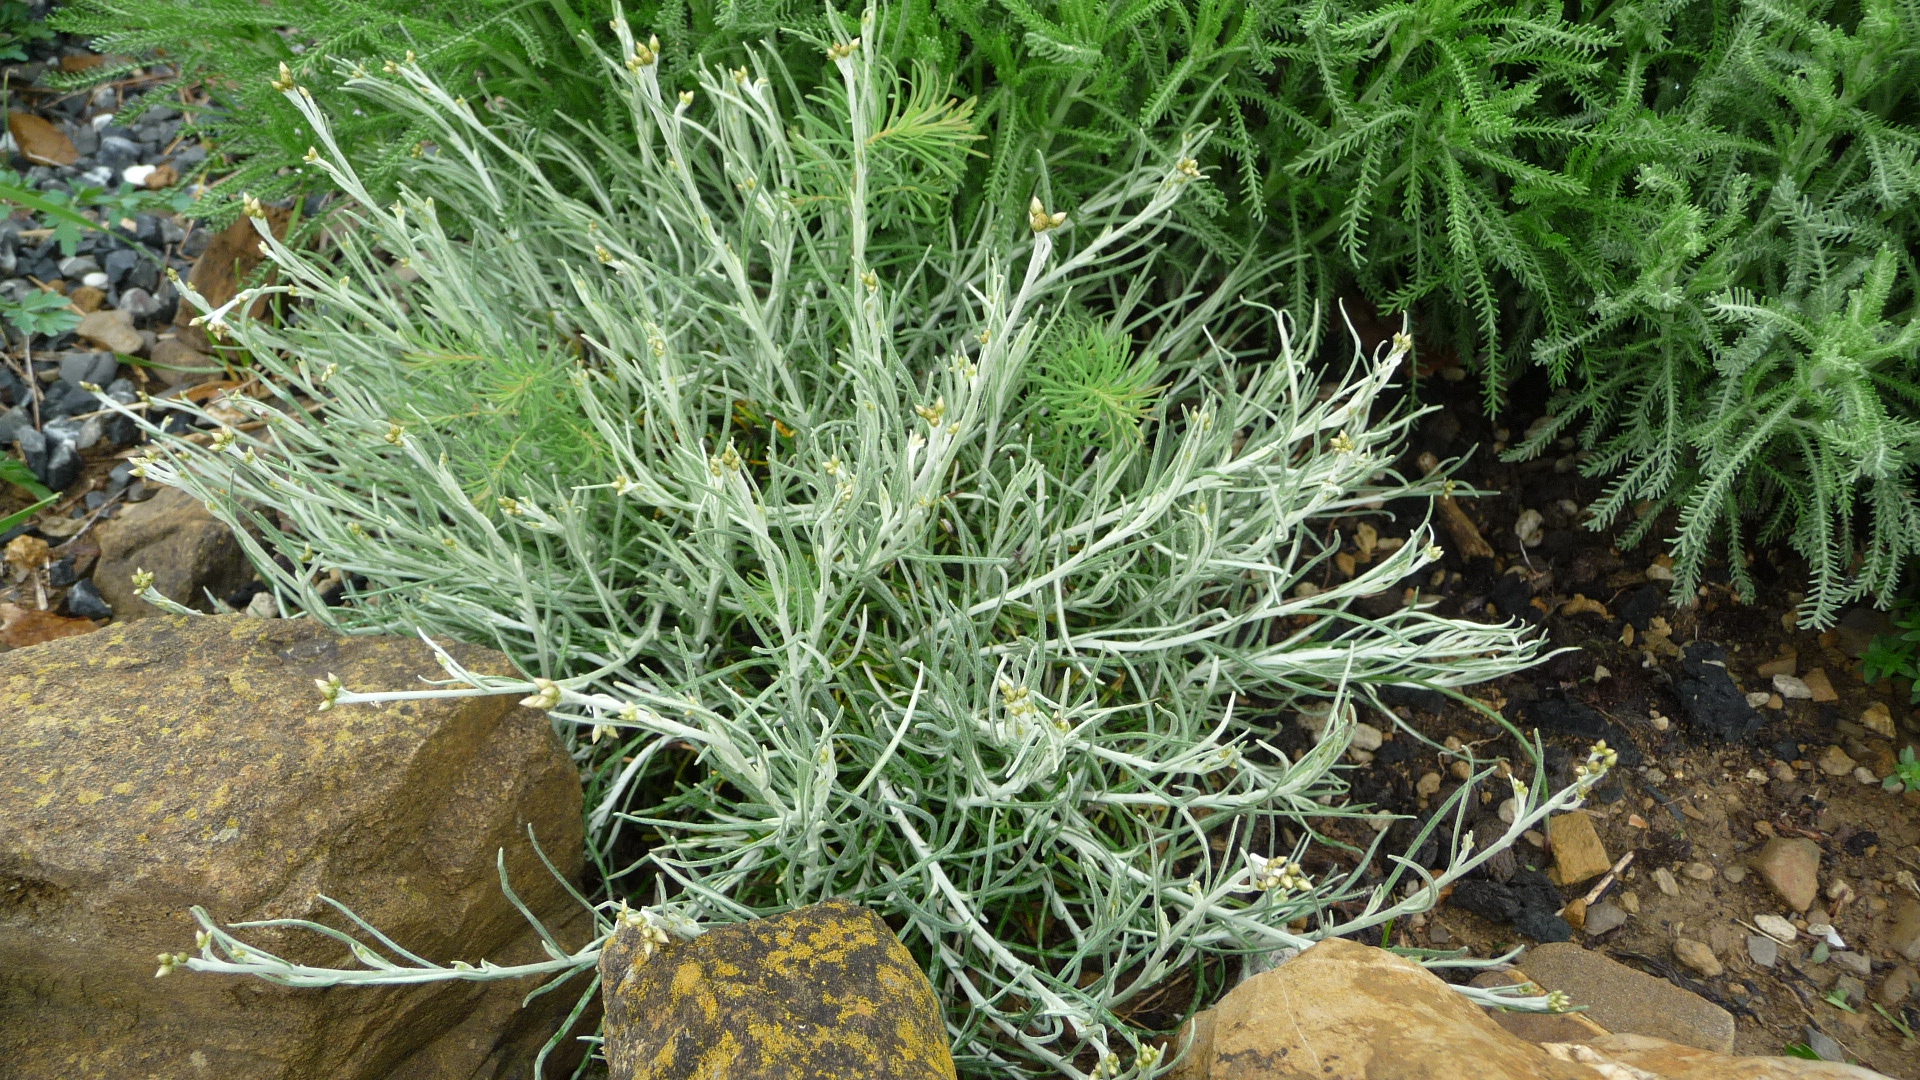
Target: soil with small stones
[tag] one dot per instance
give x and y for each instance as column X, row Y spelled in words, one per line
column 1704, row 779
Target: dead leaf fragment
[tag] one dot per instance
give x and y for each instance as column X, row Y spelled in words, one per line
column 1580, row 605
column 39, row 141
column 21, row 627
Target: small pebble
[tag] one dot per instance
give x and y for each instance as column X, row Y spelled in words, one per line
column 1757, row 698
column 1792, row 687
column 85, row 601
column 1865, row 775
column 1428, row 785
column 1461, row 770
column 1660, row 723
column 1631, row 901
column 1508, row 807
column 1835, row 762
column 1763, row 950
column 1776, row 927
column 1532, row 836
column 1603, row 917
column 1697, row 956
column 1663, row 877
column 1735, row 873
column 1699, row 871
column 1367, row 737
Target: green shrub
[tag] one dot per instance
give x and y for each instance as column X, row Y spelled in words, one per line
column 806, row 534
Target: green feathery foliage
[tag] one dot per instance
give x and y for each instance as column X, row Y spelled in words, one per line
column 1698, row 218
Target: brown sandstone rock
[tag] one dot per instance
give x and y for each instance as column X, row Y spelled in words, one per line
column 1343, row 1011
column 1578, row 854
column 174, row 538
column 178, row 761
column 823, row 993
column 1346, row 1011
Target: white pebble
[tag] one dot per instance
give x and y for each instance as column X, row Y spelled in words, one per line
column 96, row 279
column 1865, row 775
column 1528, row 527
column 1792, row 687
column 1367, row 737
column 1776, row 928
column 137, row 174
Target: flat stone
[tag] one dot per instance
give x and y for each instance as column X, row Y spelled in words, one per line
column 1878, row 719
column 820, row 993
column 1776, row 928
column 1698, row 956
column 1621, row 999
column 1791, row 867
column 1784, row 665
column 1604, row 916
column 1735, row 873
column 1699, row 871
column 1903, row 937
column 1792, row 687
column 1578, row 854
column 1856, row 962
column 1763, row 950
column 1820, row 686
column 1663, row 879
column 180, row 761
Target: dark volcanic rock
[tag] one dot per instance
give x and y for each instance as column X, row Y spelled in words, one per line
column 1528, row 901
column 1713, row 705
column 1639, row 606
column 1555, row 713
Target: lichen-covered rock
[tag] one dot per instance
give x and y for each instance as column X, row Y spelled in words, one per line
column 177, row 761
column 823, row 993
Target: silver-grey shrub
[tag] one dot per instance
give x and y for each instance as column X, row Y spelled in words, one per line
column 760, row 475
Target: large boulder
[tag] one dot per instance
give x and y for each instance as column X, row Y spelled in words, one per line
column 823, row 993
column 182, row 760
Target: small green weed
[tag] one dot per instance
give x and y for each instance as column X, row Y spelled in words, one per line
column 1893, row 655
column 39, row 312
column 18, row 28
column 1906, row 773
